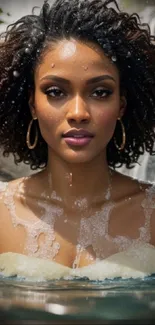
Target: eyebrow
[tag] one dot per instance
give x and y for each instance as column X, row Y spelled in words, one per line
column 90, row 81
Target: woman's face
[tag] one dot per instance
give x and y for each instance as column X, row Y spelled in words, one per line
column 77, row 89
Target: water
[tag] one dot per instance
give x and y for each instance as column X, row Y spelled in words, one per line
column 95, row 301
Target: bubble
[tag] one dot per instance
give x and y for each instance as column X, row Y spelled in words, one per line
column 16, row 74
column 27, row 50
column 113, row 58
column 34, row 31
column 29, row 45
column 128, row 54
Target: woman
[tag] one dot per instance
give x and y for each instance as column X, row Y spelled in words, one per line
column 77, row 99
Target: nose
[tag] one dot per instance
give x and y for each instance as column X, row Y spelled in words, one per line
column 78, row 111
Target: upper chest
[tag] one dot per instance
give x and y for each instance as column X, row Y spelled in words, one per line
column 127, row 218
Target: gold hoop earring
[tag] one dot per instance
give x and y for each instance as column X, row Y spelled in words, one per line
column 121, row 147
column 31, row 146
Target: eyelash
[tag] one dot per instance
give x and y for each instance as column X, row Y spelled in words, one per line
column 53, row 89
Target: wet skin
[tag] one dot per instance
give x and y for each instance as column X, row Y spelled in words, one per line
column 76, row 86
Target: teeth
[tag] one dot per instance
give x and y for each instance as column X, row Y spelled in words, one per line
column 78, row 136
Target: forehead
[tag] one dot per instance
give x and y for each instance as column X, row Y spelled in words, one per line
column 72, row 57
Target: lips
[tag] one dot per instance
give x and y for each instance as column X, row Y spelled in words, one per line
column 77, row 133
column 76, row 137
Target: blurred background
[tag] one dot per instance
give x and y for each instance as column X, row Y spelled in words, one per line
column 10, row 11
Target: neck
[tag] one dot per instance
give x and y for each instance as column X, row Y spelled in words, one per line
column 71, row 182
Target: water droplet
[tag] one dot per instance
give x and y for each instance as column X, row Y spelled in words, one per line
column 16, row 74
column 113, row 58
column 70, row 179
column 85, row 68
column 128, row 54
column 29, row 45
column 27, row 50
column 52, row 65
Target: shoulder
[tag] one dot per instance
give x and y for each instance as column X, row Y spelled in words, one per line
column 135, row 197
column 7, row 189
column 126, row 186
column 9, row 233
column 7, row 192
column 149, row 205
column 141, row 203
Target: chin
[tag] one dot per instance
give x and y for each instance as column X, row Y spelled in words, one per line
column 78, row 158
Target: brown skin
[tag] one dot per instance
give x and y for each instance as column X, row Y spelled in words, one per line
column 94, row 107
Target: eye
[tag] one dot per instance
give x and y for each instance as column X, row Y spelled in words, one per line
column 101, row 92
column 55, row 92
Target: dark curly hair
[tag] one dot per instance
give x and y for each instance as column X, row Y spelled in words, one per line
column 122, row 37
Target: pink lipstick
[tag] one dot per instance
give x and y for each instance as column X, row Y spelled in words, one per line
column 75, row 137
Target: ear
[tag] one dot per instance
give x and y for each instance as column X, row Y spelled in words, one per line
column 32, row 105
column 123, row 104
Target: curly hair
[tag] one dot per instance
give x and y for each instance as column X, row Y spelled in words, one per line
column 123, row 38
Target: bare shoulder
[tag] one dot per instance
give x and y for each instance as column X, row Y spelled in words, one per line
column 128, row 187
column 7, row 189
column 139, row 198
column 8, row 233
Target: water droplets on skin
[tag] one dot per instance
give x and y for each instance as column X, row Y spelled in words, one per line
column 81, row 204
column 52, row 65
column 93, row 229
column 70, row 179
column 54, row 196
column 85, row 67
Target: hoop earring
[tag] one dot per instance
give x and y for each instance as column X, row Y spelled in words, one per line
column 121, row 147
column 31, row 146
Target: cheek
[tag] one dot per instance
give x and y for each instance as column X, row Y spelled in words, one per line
column 48, row 121
column 48, row 116
column 106, row 119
